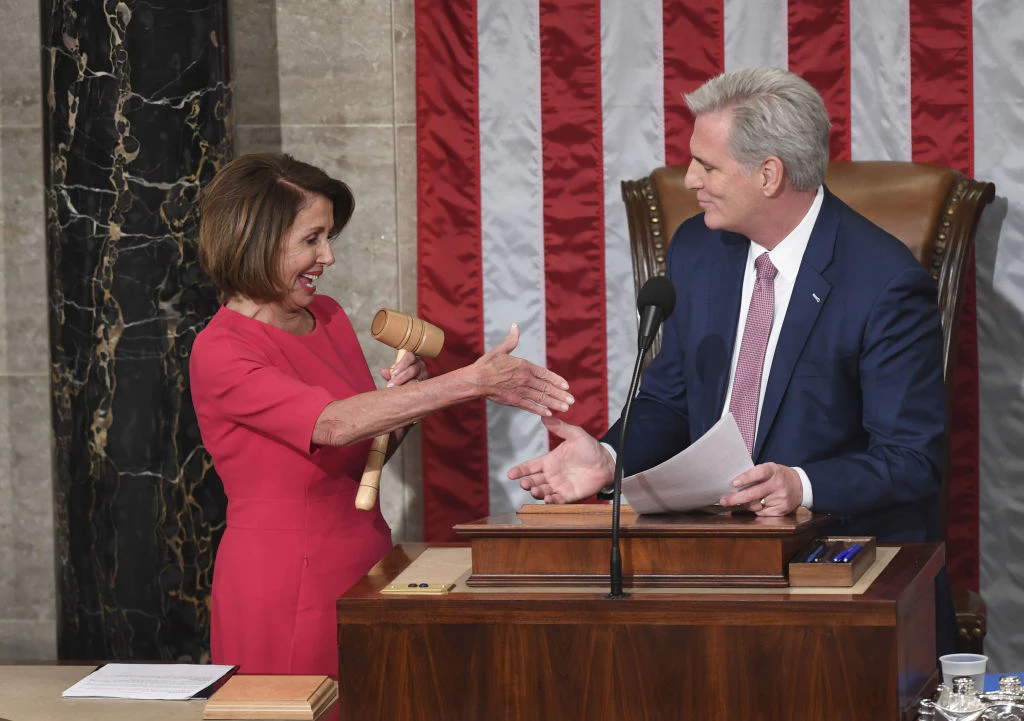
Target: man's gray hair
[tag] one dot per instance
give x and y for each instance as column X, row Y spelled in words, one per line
column 775, row 112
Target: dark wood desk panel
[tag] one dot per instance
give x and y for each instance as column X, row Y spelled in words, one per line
column 509, row 655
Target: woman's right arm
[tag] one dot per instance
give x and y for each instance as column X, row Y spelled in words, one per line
column 496, row 376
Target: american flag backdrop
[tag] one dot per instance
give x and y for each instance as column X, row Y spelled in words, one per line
column 531, row 112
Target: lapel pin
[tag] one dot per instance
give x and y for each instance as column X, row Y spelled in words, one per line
column 816, row 298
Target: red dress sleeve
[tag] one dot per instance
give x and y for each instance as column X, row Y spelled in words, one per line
column 237, row 382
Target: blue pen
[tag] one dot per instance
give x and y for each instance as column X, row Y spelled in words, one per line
column 841, row 556
column 834, row 549
column 853, row 551
column 816, row 554
column 847, row 553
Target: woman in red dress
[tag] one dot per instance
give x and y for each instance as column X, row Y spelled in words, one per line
column 287, row 408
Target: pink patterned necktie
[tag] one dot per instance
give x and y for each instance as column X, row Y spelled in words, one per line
column 746, row 386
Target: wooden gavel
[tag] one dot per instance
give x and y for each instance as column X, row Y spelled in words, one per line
column 408, row 335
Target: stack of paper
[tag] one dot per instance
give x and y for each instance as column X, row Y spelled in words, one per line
column 302, row 698
column 156, row 681
column 697, row 476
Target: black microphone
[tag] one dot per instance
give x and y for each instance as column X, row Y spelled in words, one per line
column 655, row 302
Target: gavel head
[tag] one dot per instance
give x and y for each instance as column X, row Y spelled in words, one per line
column 404, row 332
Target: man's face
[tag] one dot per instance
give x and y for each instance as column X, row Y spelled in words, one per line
column 730, row 197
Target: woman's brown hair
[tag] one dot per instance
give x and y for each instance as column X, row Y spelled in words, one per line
column 244, row 214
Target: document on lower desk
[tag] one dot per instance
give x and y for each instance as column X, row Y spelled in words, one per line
column 152, row 681
column 694, row 478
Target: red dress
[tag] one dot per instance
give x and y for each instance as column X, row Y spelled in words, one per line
column 294, row 540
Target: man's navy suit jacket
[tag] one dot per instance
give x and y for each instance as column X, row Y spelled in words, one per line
column 855, row 396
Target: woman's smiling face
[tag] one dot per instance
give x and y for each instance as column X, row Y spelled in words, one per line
column 306, row 252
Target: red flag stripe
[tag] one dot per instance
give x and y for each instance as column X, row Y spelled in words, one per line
column 942, row 131
column 819, row 52
column 570, row 55
column 941, row 91
column 694, row 47
column 448, row 227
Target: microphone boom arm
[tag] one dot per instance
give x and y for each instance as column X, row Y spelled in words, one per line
column 616, row 555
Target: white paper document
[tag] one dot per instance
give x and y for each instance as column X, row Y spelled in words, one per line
column 156, row 681
column 696, row 477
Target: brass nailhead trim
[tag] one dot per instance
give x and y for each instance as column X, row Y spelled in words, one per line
column 945, row 223
column 654, row 223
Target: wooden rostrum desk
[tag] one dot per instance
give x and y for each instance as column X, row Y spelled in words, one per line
column 568, row 652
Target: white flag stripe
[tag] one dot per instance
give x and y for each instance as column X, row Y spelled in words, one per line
column 512, row 220
column 879, row 80
column 998, row 157
column 632, row 81
column 756, row 33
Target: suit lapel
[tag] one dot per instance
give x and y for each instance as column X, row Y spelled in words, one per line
column 723, row 315
column 809, row 294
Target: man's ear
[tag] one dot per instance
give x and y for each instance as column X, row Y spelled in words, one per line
column 771, row 175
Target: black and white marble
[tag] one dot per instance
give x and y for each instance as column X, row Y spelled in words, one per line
column 137, row 117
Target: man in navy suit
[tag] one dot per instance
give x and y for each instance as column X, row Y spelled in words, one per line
column 847, row 405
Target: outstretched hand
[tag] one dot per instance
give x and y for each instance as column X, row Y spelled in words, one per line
column 519, row 383
column 578, row 468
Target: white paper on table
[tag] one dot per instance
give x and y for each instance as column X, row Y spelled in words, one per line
column 696, row 477
column 151, row 681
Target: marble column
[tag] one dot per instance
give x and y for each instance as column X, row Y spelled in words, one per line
column 136, row 119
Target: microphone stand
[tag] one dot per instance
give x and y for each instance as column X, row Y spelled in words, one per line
column 656, row 300
column 616, row 555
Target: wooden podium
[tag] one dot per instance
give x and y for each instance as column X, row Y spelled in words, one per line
column 532, row 653
column 569, row 546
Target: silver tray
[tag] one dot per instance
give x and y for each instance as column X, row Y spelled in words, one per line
column 961, row 703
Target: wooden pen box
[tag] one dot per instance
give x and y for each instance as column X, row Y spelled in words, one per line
column 827, row 573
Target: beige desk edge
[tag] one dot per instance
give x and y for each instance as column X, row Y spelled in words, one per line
column 33, row 693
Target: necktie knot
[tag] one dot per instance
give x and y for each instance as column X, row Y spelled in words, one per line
column 765, row 270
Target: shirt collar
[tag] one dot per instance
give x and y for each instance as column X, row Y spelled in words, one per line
column 787, row 255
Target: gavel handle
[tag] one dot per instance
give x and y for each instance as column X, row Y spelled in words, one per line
column 369, row 484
